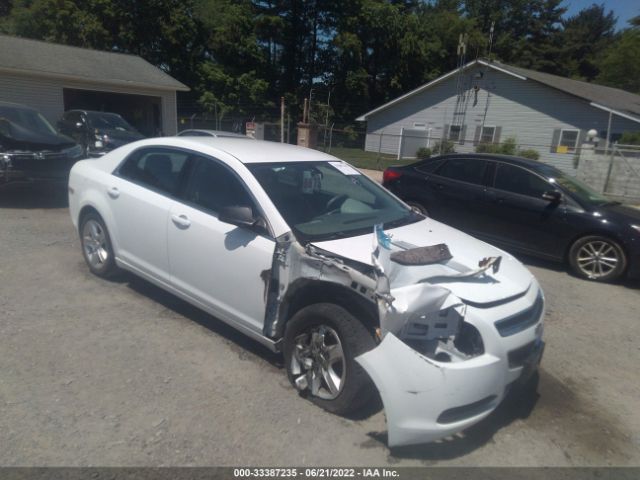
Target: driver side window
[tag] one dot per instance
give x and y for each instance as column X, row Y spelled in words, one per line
column 518, row 180
column 212, row 186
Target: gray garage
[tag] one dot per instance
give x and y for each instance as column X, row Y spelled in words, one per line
column 53, row 78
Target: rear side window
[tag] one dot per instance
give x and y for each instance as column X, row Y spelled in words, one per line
column 428, row 166
column 518, row 180
column 470, row 171
column 212, row 186
column 157, row 168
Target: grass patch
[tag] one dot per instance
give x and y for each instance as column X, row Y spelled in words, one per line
column 370, row 160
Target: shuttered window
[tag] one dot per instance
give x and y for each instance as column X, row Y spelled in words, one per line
column 488, row 134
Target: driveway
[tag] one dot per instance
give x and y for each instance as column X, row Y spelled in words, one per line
column 120, row 373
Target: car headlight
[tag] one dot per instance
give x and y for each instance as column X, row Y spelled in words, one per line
column 636, row 228
column 73, row 152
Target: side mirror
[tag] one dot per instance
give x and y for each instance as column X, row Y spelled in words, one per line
column 552, row 196
column 238, row 215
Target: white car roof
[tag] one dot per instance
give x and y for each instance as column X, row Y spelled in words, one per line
column 257, row 151
column 213, row 133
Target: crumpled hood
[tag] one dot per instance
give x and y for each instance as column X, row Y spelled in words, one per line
column 512, row 279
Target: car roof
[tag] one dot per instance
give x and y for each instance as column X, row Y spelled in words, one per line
column 519, row 161
column 219, row 133
column 92, row 111
column 17, row 105
column 256, row 151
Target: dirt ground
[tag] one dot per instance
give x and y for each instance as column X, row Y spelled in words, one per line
column 121, row 374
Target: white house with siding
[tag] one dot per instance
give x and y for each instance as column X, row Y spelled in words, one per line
column 53, row 78
column 489, row 102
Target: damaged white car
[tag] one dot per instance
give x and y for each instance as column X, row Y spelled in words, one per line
column 308, row 256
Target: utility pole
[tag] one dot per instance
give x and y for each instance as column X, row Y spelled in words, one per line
column 326, row 119
column 305, row 110
column 281, row 119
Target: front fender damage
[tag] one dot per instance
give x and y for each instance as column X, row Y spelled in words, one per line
column 431, row 386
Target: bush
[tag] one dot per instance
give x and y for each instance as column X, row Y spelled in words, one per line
column 423, row 153
column 508, row 147
column 630, row 138
column 447, row 147
column 529, row 153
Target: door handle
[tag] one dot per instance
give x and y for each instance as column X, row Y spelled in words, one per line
column 113, row 192
column 181, row 221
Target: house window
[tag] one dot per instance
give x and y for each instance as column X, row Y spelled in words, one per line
column 568, row 141
column 454, row 132
column 488, row 134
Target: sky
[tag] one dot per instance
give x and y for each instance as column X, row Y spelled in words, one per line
column 623, row 9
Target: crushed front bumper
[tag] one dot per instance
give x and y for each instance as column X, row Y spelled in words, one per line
column 425, row 400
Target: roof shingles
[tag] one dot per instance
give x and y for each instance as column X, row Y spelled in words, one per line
column 44, row 58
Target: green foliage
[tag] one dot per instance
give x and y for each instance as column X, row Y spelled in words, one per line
column 584, row 36
column 630, row 138
column 423, row 153
column 443, row 147
column 508, row 147
column 529, row 153
column 240, row 56
column 620, row 64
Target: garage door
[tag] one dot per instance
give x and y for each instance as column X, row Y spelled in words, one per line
column 141, row 111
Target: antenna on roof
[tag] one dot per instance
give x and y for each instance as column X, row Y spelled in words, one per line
column 459, row 110
column 493, row 24
column 484, row 77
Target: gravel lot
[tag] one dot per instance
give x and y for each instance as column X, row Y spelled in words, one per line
column 120, row 373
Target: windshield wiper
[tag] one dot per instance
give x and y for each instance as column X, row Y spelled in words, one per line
column 412, row 218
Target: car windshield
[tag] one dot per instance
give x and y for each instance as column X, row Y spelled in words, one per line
column 329, row 200
column 577, row 188
column 27, row 119
column 109, row 121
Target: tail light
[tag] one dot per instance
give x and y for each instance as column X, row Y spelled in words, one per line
column 389, row 175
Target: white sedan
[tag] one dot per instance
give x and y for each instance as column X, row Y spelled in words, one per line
column 306, row 255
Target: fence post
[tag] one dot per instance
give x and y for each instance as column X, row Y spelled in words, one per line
column 379, row 149
column 330, row 137
column 606, row 180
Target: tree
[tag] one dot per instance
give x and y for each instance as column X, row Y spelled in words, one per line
column 620, row 63
column 230, row 78
column 584, row 37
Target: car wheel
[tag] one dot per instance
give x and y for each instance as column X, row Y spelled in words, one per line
column 597, row 258
column 418, row 207
column 96, row 246
column 321, row 343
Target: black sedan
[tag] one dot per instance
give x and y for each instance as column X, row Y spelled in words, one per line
column 97, row 132
column 525, row 206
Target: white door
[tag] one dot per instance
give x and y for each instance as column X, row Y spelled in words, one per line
column 140, row 199
column 223, row 266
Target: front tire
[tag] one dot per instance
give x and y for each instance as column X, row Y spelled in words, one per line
column 321, row 342
column 597, row 258
column 96, row 246
column 418, row 207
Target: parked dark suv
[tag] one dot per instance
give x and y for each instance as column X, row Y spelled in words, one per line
column 98, row 132
column 31, row 148
column 526, row 206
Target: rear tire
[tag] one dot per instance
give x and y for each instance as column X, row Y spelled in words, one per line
column 96, row 246
column 321, row 342
column 597, row 258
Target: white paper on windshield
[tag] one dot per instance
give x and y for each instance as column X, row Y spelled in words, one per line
column 344, row 168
